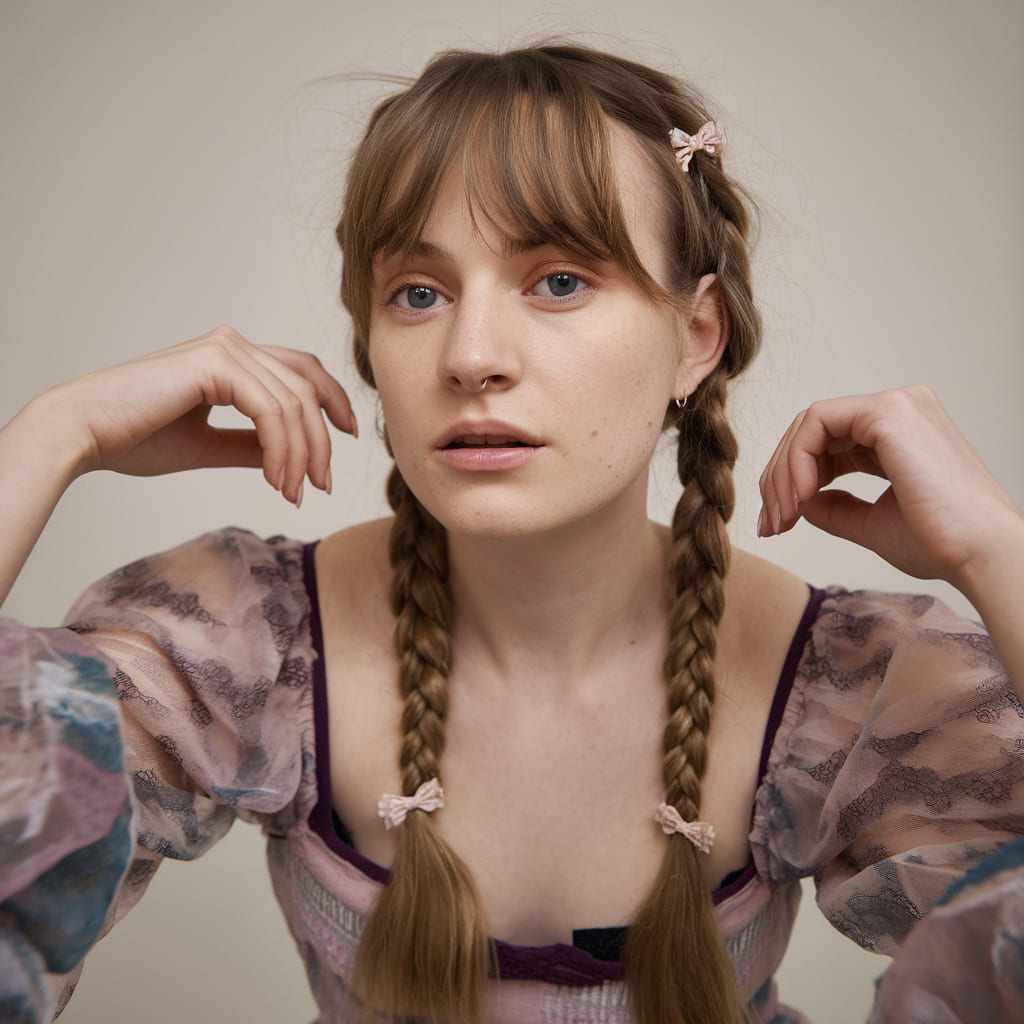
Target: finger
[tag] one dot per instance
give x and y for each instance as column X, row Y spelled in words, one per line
column 235, row 377
column 818, row 448
column 776, row 489
column 834, row 437
column 319, row 393
column 839, row 513
column 230, row 446
column 331, row 396
column 290, row 411
column 286, row 394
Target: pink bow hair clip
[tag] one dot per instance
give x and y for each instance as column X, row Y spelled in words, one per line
column 708, row 138
column 700, row 833
column 393, row 809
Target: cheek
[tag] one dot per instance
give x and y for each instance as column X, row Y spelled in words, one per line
column 397, row 392
column 640, row 370
column 398, row 376
column 637, row 381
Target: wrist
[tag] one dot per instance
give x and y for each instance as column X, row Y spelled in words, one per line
column 44, row 432
column 996, row 568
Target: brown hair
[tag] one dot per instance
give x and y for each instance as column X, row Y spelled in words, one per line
column 529, row 131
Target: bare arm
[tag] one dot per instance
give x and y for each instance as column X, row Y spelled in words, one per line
column 944, row 515
column 150, row 416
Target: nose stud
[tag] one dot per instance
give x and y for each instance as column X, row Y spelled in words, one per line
column 484, row 384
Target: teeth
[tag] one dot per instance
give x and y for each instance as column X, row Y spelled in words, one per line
column 478, row 442
column 481, row 441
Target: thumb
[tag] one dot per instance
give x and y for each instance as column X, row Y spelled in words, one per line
column 232, row 447
column 839, row 513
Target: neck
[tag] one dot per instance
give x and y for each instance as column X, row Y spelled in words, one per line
column 556, row 605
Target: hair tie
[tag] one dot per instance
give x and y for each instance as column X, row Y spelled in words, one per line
column 393, row 809
column 708, row 138
column 700, row 833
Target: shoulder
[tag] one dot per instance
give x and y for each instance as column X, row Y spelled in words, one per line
column 353, row 582
column 897, row 764
column 764, row 608
column 226, row 606
column 358, row 555
column 899, row 706
column 204, row 580
column 912, row 645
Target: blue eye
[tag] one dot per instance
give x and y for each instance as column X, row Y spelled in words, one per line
column 418, row 297
column 562, row 284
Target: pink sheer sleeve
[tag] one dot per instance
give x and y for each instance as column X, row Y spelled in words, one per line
column 898, row 768
column 200, row 660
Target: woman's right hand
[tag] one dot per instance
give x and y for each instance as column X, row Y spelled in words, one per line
column 150, row 415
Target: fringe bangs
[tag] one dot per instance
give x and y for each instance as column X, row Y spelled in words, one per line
column 532, row 144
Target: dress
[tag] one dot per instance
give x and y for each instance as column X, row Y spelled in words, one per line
column 187, row 692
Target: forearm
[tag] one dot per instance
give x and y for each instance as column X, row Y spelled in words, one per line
column 994, row 584
column 37, row 463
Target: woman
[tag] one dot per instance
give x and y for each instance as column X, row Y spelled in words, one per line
column 546, row 264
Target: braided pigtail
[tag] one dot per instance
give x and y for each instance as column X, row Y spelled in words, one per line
column 424, row 950
column 676, row 964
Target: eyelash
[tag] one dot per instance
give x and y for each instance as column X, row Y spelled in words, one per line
column 584, row 279
column 585, row 284
column 408, row 286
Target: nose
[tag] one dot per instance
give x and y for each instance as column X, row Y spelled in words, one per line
column 480, row 350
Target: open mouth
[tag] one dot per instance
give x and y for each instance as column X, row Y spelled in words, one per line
column 470, row 441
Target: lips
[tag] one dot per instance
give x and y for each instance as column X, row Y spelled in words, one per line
column 488, row 446
column 487, row 434
column 477, row 441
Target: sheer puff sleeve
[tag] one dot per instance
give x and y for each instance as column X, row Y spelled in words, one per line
column 897, row 782
column 176, row 700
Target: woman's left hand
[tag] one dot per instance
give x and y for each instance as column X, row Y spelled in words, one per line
column 943, row 510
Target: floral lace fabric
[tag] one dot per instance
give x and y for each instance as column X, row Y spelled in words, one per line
column 183, row 696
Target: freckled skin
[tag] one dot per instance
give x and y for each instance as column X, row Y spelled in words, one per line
column 590, row 375
column 586, row 371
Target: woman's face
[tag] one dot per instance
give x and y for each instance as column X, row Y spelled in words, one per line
column 579, row 366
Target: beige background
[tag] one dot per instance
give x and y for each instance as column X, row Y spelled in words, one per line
column 170, row 166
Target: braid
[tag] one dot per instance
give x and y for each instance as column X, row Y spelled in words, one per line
column 422, row 607
column 675, row 930
column 558, row 100
column 424, row 950
column 676, row 925
column 700, row 549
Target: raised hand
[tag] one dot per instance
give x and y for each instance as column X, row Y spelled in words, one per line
column 150, row 416
column 943, row 510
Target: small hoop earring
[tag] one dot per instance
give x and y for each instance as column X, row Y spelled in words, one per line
column 681, row 403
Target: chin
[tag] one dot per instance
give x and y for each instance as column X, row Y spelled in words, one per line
column 529, row 503
column 515, row 518
column 488, row 521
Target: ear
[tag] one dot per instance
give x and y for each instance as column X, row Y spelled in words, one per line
column 706, row 334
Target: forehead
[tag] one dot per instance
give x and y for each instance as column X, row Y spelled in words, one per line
column 463, row 201
column 645, row 205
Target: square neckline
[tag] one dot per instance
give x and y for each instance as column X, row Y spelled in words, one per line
column 559, row 963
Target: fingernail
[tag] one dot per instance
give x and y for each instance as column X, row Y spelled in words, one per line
column 760, row 521
column 355, row 426
column 280, row 480
column 778, row 519
column 328, row 481
column 298, row 496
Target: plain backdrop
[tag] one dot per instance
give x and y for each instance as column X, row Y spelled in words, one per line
column 167, row 167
